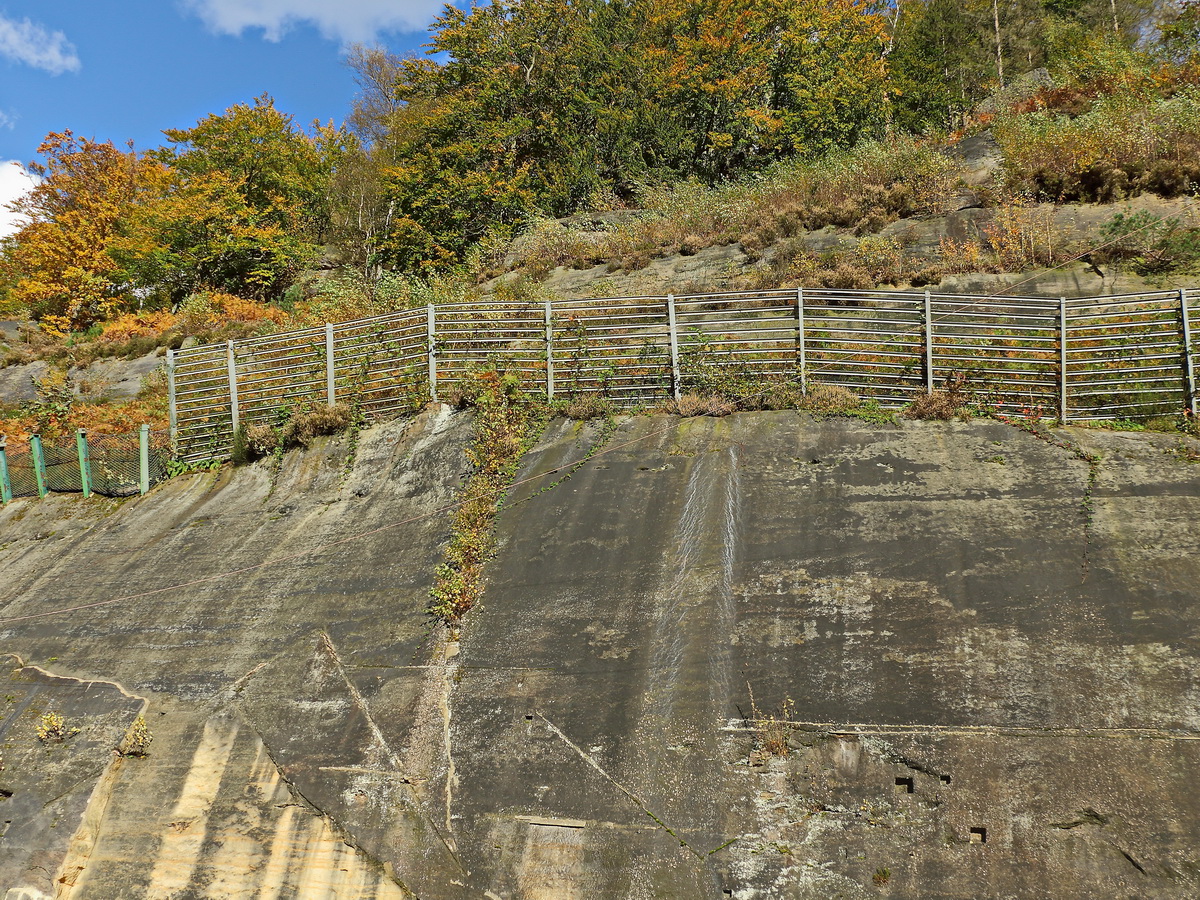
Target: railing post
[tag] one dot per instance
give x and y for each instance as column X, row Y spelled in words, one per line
column 39, row 463
column 675, row 385
column 928, row 327
column 801, row 360
column 1189, row 365
column 85, row 462
column 235, row 418
column 549, row 352
column 173, row 415
column 1062, row 359
column 5, row 483
column 144, row 459
column 330, row 389
column 431, row 337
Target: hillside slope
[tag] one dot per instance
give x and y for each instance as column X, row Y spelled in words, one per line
column 985, row 648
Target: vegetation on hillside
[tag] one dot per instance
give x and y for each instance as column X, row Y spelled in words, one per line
column 723, row 121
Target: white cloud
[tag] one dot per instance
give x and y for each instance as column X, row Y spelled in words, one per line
column 7, row 121
column 346, row 20
column 14, row 181
column 27, row 42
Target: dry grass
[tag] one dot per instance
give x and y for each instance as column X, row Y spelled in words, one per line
column 689, row 405
column 297, row 429
column 1127, row 143
column 592, row 405
column 862, row 189
column 831, row 399
column 771, row 730
column 948, row 403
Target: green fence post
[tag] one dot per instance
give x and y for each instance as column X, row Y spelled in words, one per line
column 5, row 484
column 144, row 459
column 85, row 462
column 39, row 463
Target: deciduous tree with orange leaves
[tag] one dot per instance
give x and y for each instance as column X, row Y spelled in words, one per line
column 58, row 264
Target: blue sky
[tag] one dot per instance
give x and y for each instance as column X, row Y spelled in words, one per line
column 126, row 69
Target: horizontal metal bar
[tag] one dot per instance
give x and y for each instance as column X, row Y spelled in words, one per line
column 975, row 315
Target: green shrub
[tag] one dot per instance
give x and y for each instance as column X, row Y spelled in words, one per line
column 1149, row 245
column 1126, row 144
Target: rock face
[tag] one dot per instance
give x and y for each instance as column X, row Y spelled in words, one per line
column 110, row 379
column 984, row 647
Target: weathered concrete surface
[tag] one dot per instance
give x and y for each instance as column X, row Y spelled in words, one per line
column 961, row 648
column 53, row 792
column 216, row 810
column 932, row 587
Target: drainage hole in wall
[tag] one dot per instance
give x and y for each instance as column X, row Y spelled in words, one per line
column 904, row 785
column 978, row 835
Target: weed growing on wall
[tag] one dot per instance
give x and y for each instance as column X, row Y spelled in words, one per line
column 771, row 729
column 137, row 740
column 949, row 403
column 52, row 729
column 506, row 423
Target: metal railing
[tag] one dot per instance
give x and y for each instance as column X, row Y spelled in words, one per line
column 1082, row 359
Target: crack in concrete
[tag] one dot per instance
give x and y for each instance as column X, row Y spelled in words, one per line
column 362, row 770
column 21, row 665
column 377, row 733
column 359, row 701
column 449, row 670
column 637, row 801
column 1092, row 460
column 240, row 684
column 83, row 841
column 1087, row 816
column 1133, row 862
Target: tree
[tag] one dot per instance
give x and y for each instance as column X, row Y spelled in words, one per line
column 1180, row 31
column 248, row 202
column 534, row 107
column 57, row 265
column 938, row 67
column 182, row 235
column 280, row 171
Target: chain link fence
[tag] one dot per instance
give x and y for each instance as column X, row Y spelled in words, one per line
column 106, row 464
column 21, row 473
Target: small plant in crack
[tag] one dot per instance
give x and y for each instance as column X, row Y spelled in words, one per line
column 771, row 729
column 52, row 729
column 137, row 741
